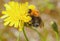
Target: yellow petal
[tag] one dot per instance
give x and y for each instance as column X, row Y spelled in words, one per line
column 12, row 3
column 11, row 24
column 27, row 19
column 6, row 23
column 32, row 7
column 7, row 7
column 4, row 16
column 16, row 24
column 7, row 19
column 26, row 4
column 3, row 12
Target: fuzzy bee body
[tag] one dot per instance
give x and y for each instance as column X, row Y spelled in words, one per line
column 36, row 20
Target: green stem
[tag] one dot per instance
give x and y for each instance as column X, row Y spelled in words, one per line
column 18, row 38
column 40, row 35
column 46, row 34
column 25, row 35
column 57, row 36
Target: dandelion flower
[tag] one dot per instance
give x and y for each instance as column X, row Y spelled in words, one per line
column 16, row 14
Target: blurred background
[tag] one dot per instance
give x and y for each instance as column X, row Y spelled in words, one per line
column 10, row 33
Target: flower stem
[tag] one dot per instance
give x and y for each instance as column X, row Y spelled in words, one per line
column 57, row 36
column 25, row 34
column 18, row 38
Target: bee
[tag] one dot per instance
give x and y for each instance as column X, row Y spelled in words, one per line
column 36, row 20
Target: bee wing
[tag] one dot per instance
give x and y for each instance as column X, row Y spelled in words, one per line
column 42, row 24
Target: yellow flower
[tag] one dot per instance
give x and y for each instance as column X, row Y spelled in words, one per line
column 16, row 14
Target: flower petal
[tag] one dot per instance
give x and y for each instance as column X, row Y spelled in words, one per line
column 7, row 19
column 6, row 23
column 11, row 24
column 4, row 16
column 16, row 24
column 7, row 7
column 32, row 7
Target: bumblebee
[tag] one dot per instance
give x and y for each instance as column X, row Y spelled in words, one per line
column 36, row 19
